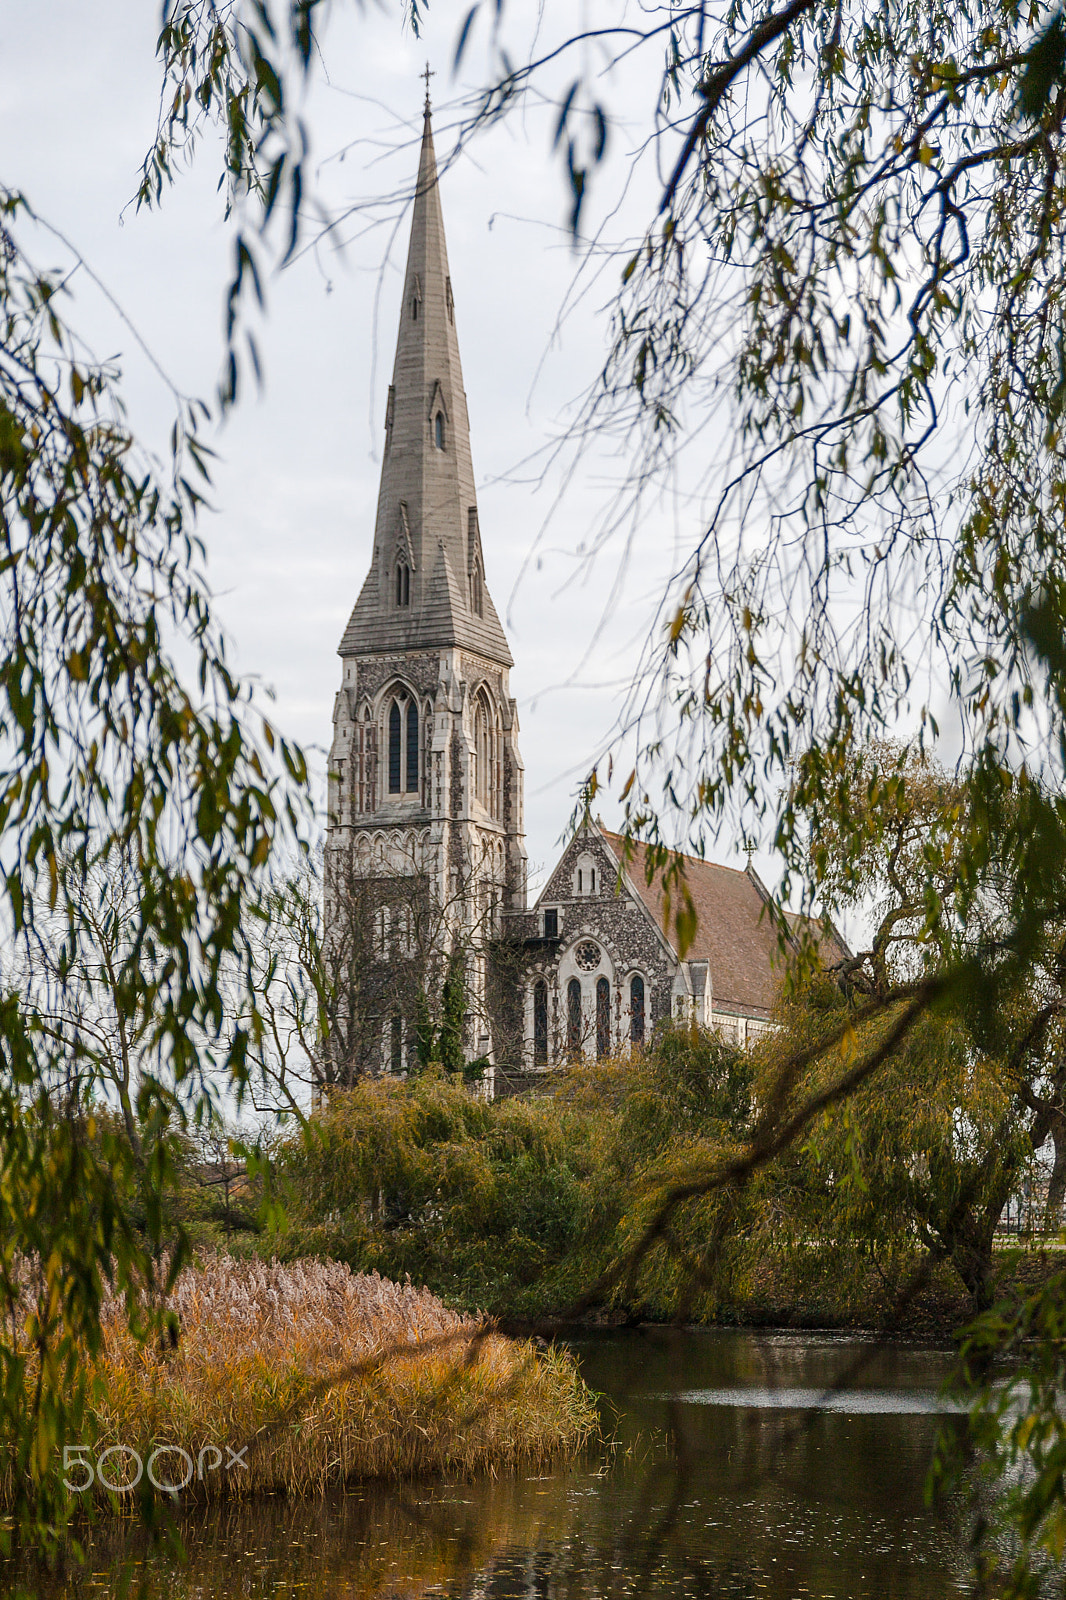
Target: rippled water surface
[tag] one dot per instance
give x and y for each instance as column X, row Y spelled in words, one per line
column 743, row 1465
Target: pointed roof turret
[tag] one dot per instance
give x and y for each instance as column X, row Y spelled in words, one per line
column 426, row 586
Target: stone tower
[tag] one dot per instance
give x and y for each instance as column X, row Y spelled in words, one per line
column 426, row 782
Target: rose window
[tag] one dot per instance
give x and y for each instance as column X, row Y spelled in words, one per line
column 588, row 955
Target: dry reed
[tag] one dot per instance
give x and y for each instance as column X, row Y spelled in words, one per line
column 323, row 1377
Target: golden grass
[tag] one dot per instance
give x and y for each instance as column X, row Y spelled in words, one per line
column 323, row 1377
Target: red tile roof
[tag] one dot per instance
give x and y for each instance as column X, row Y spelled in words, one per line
column 734, row 932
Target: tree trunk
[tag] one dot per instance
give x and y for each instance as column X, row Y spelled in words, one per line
column 1056, row 1190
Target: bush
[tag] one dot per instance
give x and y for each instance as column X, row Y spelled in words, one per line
column 516, row 1206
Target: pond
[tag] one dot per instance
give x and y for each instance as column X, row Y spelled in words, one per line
column 742, row 1464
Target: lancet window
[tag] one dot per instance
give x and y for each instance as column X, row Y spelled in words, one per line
column 403, row 745
column 395, row 724
column 573, row 1018
column 403, row 584
column 412, row 748
column 603, row 1016
column 636, row 1009
column 540, row 1023
column 487, row 751
column 438, row 430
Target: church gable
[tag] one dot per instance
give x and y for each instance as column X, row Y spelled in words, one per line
column 584, row 889
column 600, row 974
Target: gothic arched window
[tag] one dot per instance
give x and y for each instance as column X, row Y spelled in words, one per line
column 482, row 751
column 636, row 1009
column 412, row 747
column 603, row 1017
column 487, row 741
column 573, row 1018
column 478, row 592
column 403, row 584
column 438, row 430
column 394, row 748
column 540, row 1023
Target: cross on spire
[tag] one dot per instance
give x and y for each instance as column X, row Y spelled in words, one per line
column 427, row 75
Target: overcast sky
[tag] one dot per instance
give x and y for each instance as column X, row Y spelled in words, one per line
column 290, row 537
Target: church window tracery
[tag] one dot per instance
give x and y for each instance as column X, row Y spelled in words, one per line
column 573, row 1018
column 603, row 1017
column 587, row 955
column 540, row 1023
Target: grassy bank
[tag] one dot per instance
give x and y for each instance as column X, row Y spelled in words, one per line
column 320, row 1377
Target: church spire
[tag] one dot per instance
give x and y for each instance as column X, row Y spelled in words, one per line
column 426, row 586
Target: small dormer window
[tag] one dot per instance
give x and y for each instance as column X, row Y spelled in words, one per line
column 438, row 430
column 403, row 584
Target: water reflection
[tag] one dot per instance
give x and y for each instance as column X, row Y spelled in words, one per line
column 877, row 1401
column 761, row 1494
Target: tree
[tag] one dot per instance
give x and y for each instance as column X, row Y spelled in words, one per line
column 113, row 767
column 917, row 1164
column 360, row 967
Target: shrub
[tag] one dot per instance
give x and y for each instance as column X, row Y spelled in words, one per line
column 517, row 1206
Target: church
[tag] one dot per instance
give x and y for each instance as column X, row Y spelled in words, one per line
column 426, row 875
